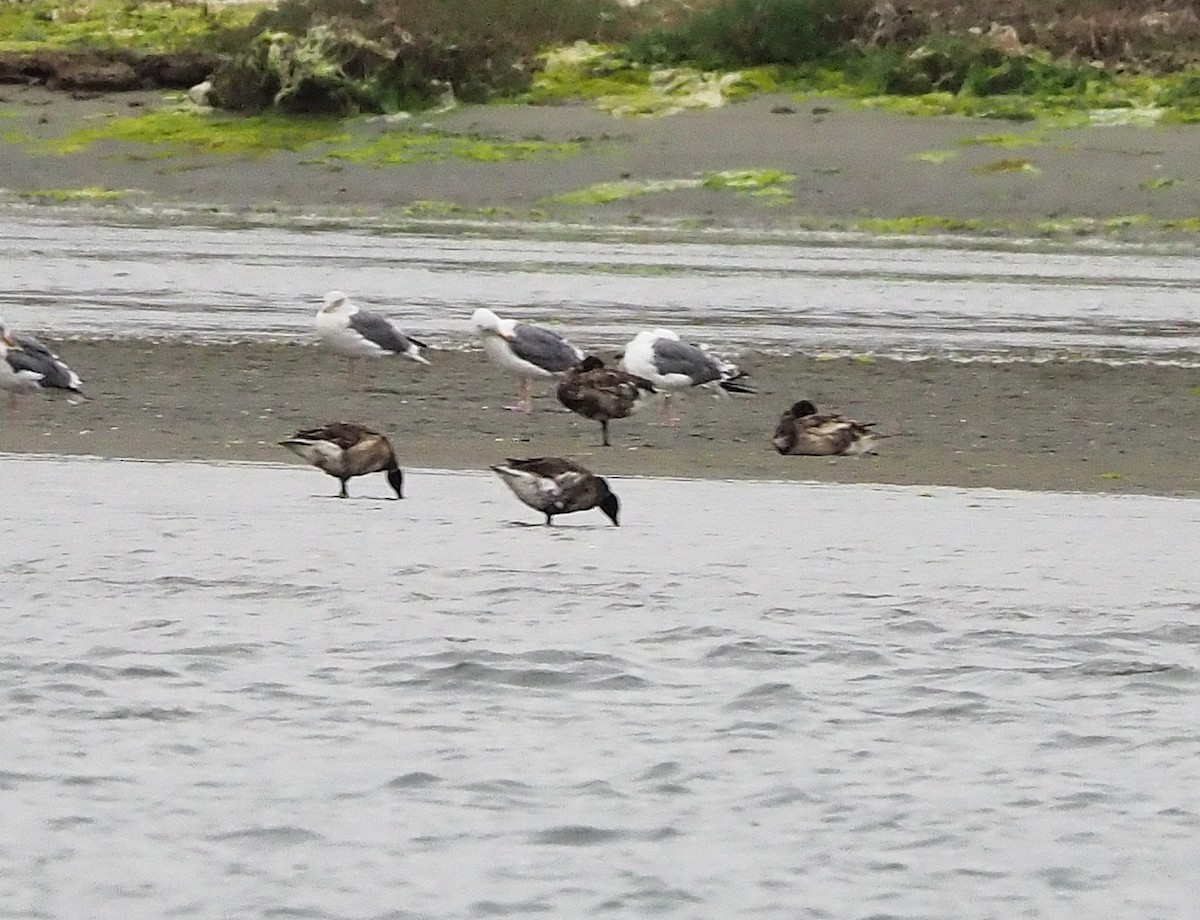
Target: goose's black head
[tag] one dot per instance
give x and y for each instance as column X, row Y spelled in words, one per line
column 395, row 478
column 609, row 504
column 591, row 363
column 803, row 408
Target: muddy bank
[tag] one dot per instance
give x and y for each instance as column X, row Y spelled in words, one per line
column 852, row 169
column 1073, row 426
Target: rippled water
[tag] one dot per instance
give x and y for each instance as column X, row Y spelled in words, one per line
column 80, row 278
column 229, row 695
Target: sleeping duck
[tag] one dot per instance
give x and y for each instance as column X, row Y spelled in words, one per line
column 553, row 486
column 603, row 393
column 802, row 431
column 345, row 450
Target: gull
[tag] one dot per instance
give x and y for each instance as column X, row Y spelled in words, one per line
column 675, row 366
column 15, row 381
column 357, row 333
column 524, row 350
column 24, row 353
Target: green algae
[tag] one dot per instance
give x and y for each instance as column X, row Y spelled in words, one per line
column 1137, row 99
column 1010, row 141
column 603, row 76
column 172, row 132
column 921, row 224
column 1158, row 183
column 183, row 131
column 67, row 195
column 1094, row 226
column 402, row 147
column 607, row 192
column 1007, row 165
column 769, row 185
column 934, row 156
column 111, row 24
column 426, row 208
column 1187, row 224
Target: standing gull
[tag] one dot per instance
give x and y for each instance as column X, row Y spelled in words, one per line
column 345, row 450
column 524, row 350
column 802, row 431
column 603, row 393
column 24, row 353
column 357, row 333
column 553, row 486
column 665, row 361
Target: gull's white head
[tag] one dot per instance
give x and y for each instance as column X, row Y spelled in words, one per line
column 648, row 337
column 334, row 300
column 485, row 322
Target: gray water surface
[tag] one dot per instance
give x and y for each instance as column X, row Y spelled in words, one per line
column 227, row 694
column 77, row 277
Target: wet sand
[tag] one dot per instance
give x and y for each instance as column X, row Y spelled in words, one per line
column 1058, row 426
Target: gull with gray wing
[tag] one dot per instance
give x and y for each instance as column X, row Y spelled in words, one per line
column 24, row 353
column 16, row 381
column 659, row 356
column 357, row 333
column 524, row 350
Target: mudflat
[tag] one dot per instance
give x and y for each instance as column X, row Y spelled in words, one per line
column 849, row 167
column 1054, row 425
column 1057, row 425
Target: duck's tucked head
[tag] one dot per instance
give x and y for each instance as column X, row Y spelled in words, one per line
column 591, row 363
column 395, row 478
column 333, row 301
column 609, row 504
column 803, row 408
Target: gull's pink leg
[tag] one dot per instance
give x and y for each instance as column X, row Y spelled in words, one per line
column 669, row 418
column 524, row 399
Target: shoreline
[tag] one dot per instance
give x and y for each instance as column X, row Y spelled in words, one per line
column 1079, row 427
